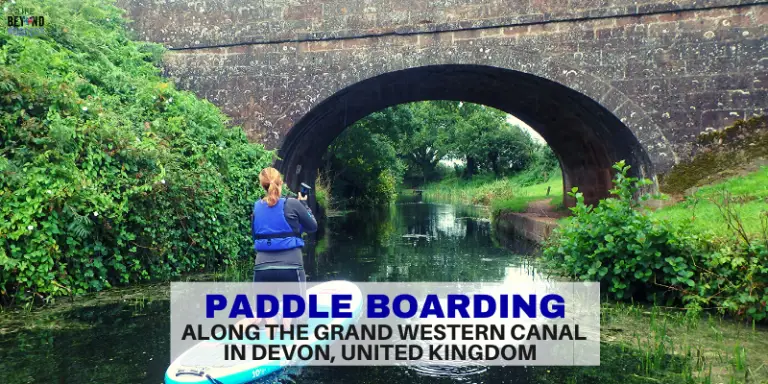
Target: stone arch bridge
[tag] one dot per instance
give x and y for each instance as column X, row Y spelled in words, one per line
column 600, row 80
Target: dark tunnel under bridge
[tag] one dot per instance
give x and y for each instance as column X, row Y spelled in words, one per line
column 586, row 138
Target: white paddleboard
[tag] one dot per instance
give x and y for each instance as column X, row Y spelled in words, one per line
column 196, row 365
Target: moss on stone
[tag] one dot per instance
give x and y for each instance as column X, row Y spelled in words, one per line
column 718, row 155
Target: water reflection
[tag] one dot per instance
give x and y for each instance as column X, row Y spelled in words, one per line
column 415, row 241
column 126, row 340
column 412, row 242
column 123, row 342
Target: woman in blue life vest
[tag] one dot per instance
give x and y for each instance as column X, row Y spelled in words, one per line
column 276, row 228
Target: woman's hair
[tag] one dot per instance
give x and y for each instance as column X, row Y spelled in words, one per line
column 272, row 182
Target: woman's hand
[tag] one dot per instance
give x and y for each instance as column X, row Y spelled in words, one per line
column 302, row 197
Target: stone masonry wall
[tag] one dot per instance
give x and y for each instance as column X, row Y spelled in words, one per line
column 214, row 22
column 668, row 75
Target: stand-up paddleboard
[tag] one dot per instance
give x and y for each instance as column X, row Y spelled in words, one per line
column 197, row 366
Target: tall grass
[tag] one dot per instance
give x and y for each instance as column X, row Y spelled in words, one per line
column 686, row 345
column 323, row 191
column 748, row 195
column 507, row 194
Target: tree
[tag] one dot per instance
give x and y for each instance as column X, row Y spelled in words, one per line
column 364, row 163
column 409, row 141
column 421, row 146
column 484, row 138
column 508, row 150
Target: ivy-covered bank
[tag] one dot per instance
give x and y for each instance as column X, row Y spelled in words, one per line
column 108, row 174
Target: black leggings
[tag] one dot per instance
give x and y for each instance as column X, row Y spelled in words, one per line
column 279, row 276
column 283, row 276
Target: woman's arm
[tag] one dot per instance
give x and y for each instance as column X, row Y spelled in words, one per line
column 299, row 209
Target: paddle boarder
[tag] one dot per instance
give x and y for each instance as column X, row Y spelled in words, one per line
column 277, row 225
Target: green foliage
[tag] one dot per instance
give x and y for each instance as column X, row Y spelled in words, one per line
column 383, row 191
column 358, row 162
column 480, row 189
column 503, row 195
column 618, row 243
column 410, row 140
column 323, row 192
column 421, row 139
column 507, row 151
column 630, row 251
column 109, row 174
column 485, row 140
column 543, row 166
column 734, row 279
column 702, row 210
column 734, row 271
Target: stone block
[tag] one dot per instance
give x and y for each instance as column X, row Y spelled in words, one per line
column 320, row 46
column 760, row 80
column 435, row 39
column 747, row 98
column 736, row 81
column 303, row 12
column 707, row 100
column 719, row 119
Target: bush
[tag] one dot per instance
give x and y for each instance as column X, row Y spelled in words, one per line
column 378, row 192
column 630, row 252
column 619, row 244
column 108, row 174
column 734, row 280
column 386, row 188
column 360, row 163
column 443, row 171
column 734, row 273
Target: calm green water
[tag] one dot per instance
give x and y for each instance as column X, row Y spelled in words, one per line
column 122, row 336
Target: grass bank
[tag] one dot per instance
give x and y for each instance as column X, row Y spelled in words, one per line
column 683, row 347
column 641, row 344
column 695, row 272
column 746, row 195
column 719, row 154
column 507, row 194
column 643, row 255
column 726, row 173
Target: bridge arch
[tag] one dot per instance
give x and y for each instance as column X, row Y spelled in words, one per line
column 584, row 135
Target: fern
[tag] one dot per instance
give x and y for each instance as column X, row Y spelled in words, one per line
column 80, row 226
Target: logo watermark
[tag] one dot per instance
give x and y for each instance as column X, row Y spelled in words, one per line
column 25, row 23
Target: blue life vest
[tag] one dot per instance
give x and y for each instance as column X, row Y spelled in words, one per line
column 271, row 232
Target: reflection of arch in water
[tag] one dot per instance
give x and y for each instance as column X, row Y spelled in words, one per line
column 585, row 136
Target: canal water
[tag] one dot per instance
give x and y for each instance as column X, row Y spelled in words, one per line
column 122, row 336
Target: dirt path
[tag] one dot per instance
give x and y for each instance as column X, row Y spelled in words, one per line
column 543, row 209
